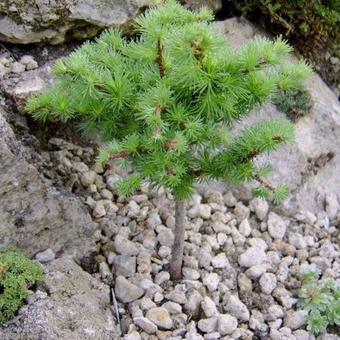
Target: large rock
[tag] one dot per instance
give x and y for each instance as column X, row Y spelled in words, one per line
column 25, row 22
column 310, row 166
column 34, row 215
column 76, row 306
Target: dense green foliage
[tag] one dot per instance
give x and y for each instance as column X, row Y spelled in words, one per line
column 166, row 100
column 321, row 301
column 17, row 274
column 295, row 103
column 317, row 20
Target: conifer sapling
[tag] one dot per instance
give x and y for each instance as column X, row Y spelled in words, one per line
column 165, row 102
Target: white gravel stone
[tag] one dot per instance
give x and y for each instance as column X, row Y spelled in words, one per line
column 227, row 324
column 251, row 257
column 172, row 307
column 332, row 204
column 134, row 335
column 295, row 319
column 105, row 273
column 297, row 241
column 106, row 194
column 237, row 308
column 274, row 312
column 241, row 212
column 245, row 228
column 209, row 307
column 276, row 226
column 145, row 324
column 260, row 207
column 162, row 277
column 300, row 334
column 87, row 178
column 268, row 283
column 190, row 273
column 45, row 256
column 29, row 62
column 193, row 302
column 220, row 261
column 124, row 265
column 208, row 325
column 99, row 209
column 211, row 281
column 166, row 237
column 17, row 68
column 255, row 272
column 160, row 317
column 124, row 246
column 126, row 291
column 229, row 199
column 133, row 209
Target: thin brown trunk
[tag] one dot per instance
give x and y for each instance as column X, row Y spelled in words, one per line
column 178, row 246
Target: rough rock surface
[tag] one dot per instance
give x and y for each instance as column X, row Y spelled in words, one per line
column 25, row 22
column 76, row 306
column 311, row 165
column 33, row 215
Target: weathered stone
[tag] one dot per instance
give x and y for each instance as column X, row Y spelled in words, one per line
column 126, row 291
column 160, row 317
column 75, row 298
column 276, row 226
column 208, row 325
column 124, row 265
column 125, row 247
column 251, row 257
column 227, row 324
column 145, row 324
column 34, row 215
column 268, row 283
column 237, row 308
column 295, row 319
column 45, row 256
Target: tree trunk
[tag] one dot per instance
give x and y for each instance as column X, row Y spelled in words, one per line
column 178, row 246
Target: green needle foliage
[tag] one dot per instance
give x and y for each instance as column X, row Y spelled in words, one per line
column 166, row 100
column 321, row 301
column 17, row 274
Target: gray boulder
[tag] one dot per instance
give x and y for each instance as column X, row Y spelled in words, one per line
column 34, row 215
column 310, row 166
column 76, row 306
column 25, row 22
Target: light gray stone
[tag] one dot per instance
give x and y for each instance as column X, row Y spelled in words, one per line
column 208, row 325
column 126, row 291
column 124, row 265
column 145, row 324
column 276, row 226
column 124, row 246
column 227, row 324
column 237, row 308
column 295, row 319
column 268, row 283
column 209, row 308
column 160, row 317
column 45, row 256
column 253, row 256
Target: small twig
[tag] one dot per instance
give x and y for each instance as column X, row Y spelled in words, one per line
column 115, row 306
column 264, row 183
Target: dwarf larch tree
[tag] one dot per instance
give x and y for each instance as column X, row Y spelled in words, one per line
column 165, row 101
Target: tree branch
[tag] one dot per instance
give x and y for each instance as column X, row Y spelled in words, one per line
column 264, row 183
column 160, row 59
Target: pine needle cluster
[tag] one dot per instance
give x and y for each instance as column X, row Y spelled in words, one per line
column 165, row 101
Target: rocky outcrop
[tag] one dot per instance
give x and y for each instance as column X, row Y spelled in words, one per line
column 72, row 305
column 310, row 166
column 34, row 215
column 25, row 22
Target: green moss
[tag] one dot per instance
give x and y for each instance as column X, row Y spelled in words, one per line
column 295, row 103
column 17, row 275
